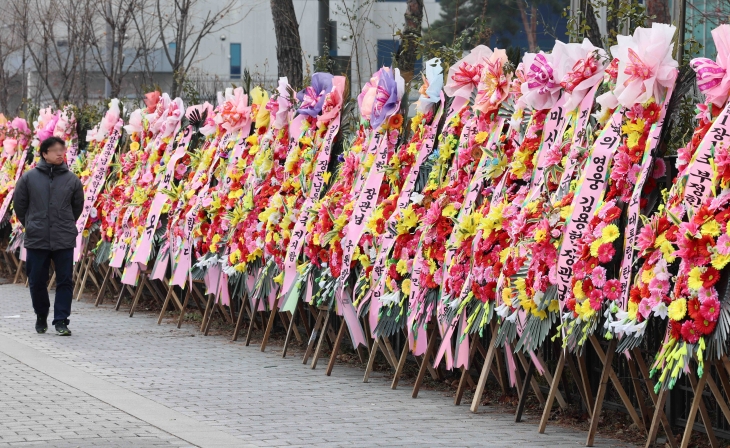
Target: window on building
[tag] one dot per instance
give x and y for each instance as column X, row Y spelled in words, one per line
column 387, row 48
column 235, row 57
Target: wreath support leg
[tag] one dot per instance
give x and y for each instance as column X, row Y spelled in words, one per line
column 426, row 359
column 401, row 362
column 103, row 287
column 243, row 310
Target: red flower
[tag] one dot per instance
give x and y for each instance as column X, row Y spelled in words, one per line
column 702, row 215
column 704, row 326
column 710, row 309
column 689, row 332
column 675, row 330
column 723, row 216
column 635, row 294
column 570, row 304
column 693, row 308
column 710, row 277
column 612, row 289
column 606, row 252
column 612, row 213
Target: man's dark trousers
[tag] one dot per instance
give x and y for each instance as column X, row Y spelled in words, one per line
column 37, row 263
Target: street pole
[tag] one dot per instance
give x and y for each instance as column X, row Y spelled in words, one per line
column 109, row 51
column 323, row 33
column 682, row 20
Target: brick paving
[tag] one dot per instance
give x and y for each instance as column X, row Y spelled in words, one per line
column 260, row 398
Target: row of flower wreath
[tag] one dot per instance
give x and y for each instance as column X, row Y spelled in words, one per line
column 456, row 230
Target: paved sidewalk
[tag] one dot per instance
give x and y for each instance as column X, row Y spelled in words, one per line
column 131, row 383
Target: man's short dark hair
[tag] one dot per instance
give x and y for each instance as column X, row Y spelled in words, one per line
column 50, row 141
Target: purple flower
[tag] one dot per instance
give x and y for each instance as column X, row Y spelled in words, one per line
column 312, row 98
column 386, row 98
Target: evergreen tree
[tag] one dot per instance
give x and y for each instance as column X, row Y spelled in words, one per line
column 473, row 21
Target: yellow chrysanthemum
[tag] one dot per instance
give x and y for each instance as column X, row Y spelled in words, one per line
column 711, row 228
column 449, row 211
column 507, row 296
column 610, row 233
column 632, row 310
column 540, row 235
column 408, row 221
column 406, row 286
column 481, row 137
column 720, row 261
column 695, row 278
column 578, row 290
column 595, row 245
column 677, row 309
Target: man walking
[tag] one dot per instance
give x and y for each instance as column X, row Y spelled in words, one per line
column 48, row 200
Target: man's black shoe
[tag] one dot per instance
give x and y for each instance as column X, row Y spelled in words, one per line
column 41, row 323
column 62, row 329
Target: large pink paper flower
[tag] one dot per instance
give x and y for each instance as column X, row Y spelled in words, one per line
column 235, row 112
column 48, row 127
column 713, row 78
column 171, row 123
column 135, row 122
column 646, row 67
column 494, row 84
column 541, row 89
column 333, row 101
column 464, row 75
column 578, row 68
column 9, row 145
column 150, row 100
column 280, row 105
column 366, row 98
column 110, row 121
column 65, row 124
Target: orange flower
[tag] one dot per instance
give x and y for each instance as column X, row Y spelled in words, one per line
column 395, row 121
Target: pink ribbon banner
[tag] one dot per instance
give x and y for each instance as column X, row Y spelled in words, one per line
column 299, row 232
column 699, row 178
column 182, row 255
column 119, row 249
column 579, row 139
column 364, row 206
column 404, row 198
column 101, row 163
column 475, row 186
column 630, row 233
column 588, row 195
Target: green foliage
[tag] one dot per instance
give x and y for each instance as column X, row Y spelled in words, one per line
column 324, row 63
column 472, row 22
column 622, row 16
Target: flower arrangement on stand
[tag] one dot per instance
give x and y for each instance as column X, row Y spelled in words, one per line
column 232, row 125
column 385, row 282
column 452, row 166
column 536, row 232
column 161, row 127
column 16, row 137
column 360, row 185
column 246, row 181
column 117, row 197
column 645, row 78
column 683, row 248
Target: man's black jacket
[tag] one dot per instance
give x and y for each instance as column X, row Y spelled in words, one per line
column 48, row 200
